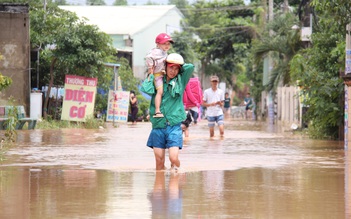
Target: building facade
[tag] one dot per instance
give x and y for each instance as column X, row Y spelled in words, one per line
column 132, row 28
column 15, row 52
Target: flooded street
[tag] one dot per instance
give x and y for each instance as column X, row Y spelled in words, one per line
column 109, row 173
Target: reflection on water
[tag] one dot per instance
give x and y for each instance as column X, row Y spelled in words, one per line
column 110, row 174
column 246, row 193
column 166, row 197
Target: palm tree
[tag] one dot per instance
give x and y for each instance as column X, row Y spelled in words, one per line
column 281, row 42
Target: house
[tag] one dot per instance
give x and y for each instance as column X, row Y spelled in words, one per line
column 132, row 28
column 14, row 52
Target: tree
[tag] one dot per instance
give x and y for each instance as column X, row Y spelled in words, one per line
column 76, row 48
column 95, row 2
column 179, row 3
column 69, row 45
column 318, row 68
column 120, row 2
column 150, row 2
column 129, row 82
column 282, row 42
column 224, row 33
column 81, row 49
column 61, row 2
column 183, row 46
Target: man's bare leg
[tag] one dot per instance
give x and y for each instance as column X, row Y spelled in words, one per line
column 159, row 158
column 211, row 132
column 173, row 157
column 221, row 130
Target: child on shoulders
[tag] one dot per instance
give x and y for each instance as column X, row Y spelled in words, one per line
column 155, row 61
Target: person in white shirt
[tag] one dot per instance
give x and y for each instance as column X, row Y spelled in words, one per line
column 213, row 99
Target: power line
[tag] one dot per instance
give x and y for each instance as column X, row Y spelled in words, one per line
column 217, row 28
column 228, row 8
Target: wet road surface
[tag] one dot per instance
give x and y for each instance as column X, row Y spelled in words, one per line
column 109, row 173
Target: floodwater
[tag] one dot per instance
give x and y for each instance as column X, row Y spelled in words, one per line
column 109, row 173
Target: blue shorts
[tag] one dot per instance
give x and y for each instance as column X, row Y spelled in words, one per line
column 213, row 119
column 171, row 136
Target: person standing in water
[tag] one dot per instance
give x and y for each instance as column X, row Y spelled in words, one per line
column 214, row 99
column 166, row 131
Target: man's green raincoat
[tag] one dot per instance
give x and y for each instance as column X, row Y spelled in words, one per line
column 172, row 99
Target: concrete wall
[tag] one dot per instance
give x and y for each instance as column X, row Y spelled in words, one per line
column 15, row 49
column 289, row 109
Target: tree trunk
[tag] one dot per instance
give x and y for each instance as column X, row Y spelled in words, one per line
column 51, row 82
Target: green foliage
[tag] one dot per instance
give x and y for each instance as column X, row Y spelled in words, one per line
column 4, row 80
column 47, row 23
column 91, row 123
column 317, row 70
column 129, row 82
column 82, row 49
column 184, row 46
column 10, row 134
column 143, row 105
column 68, row 45
column 61, row 2
column 337, row 12
column 236, row 101
column 95, row 2
column 223, row 30
column 55, row 124
column 150, row 2
column 280, row 42
column 101, row 102
column 120, row 2
column 10, row 123
column 179, row 3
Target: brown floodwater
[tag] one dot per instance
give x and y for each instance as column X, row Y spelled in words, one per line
column 253, row 172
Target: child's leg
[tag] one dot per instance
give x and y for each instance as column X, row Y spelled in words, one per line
column 158, row 99
column 159, row 92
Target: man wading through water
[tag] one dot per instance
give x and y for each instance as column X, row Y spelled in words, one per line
column 166, row 131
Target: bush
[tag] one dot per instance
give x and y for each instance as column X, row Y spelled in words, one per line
column 90, row 123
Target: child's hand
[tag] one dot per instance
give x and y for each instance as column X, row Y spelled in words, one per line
column 151, row 70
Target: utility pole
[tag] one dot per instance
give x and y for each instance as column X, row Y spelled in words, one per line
column 270, row 101
column 286, row 6
column 347, row 81
column 115, row 86
column 347, row 126
column 270, row 10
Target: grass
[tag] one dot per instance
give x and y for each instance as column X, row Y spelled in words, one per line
column 90, row 123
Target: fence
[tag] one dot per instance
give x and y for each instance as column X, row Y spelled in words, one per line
column 288, row 107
